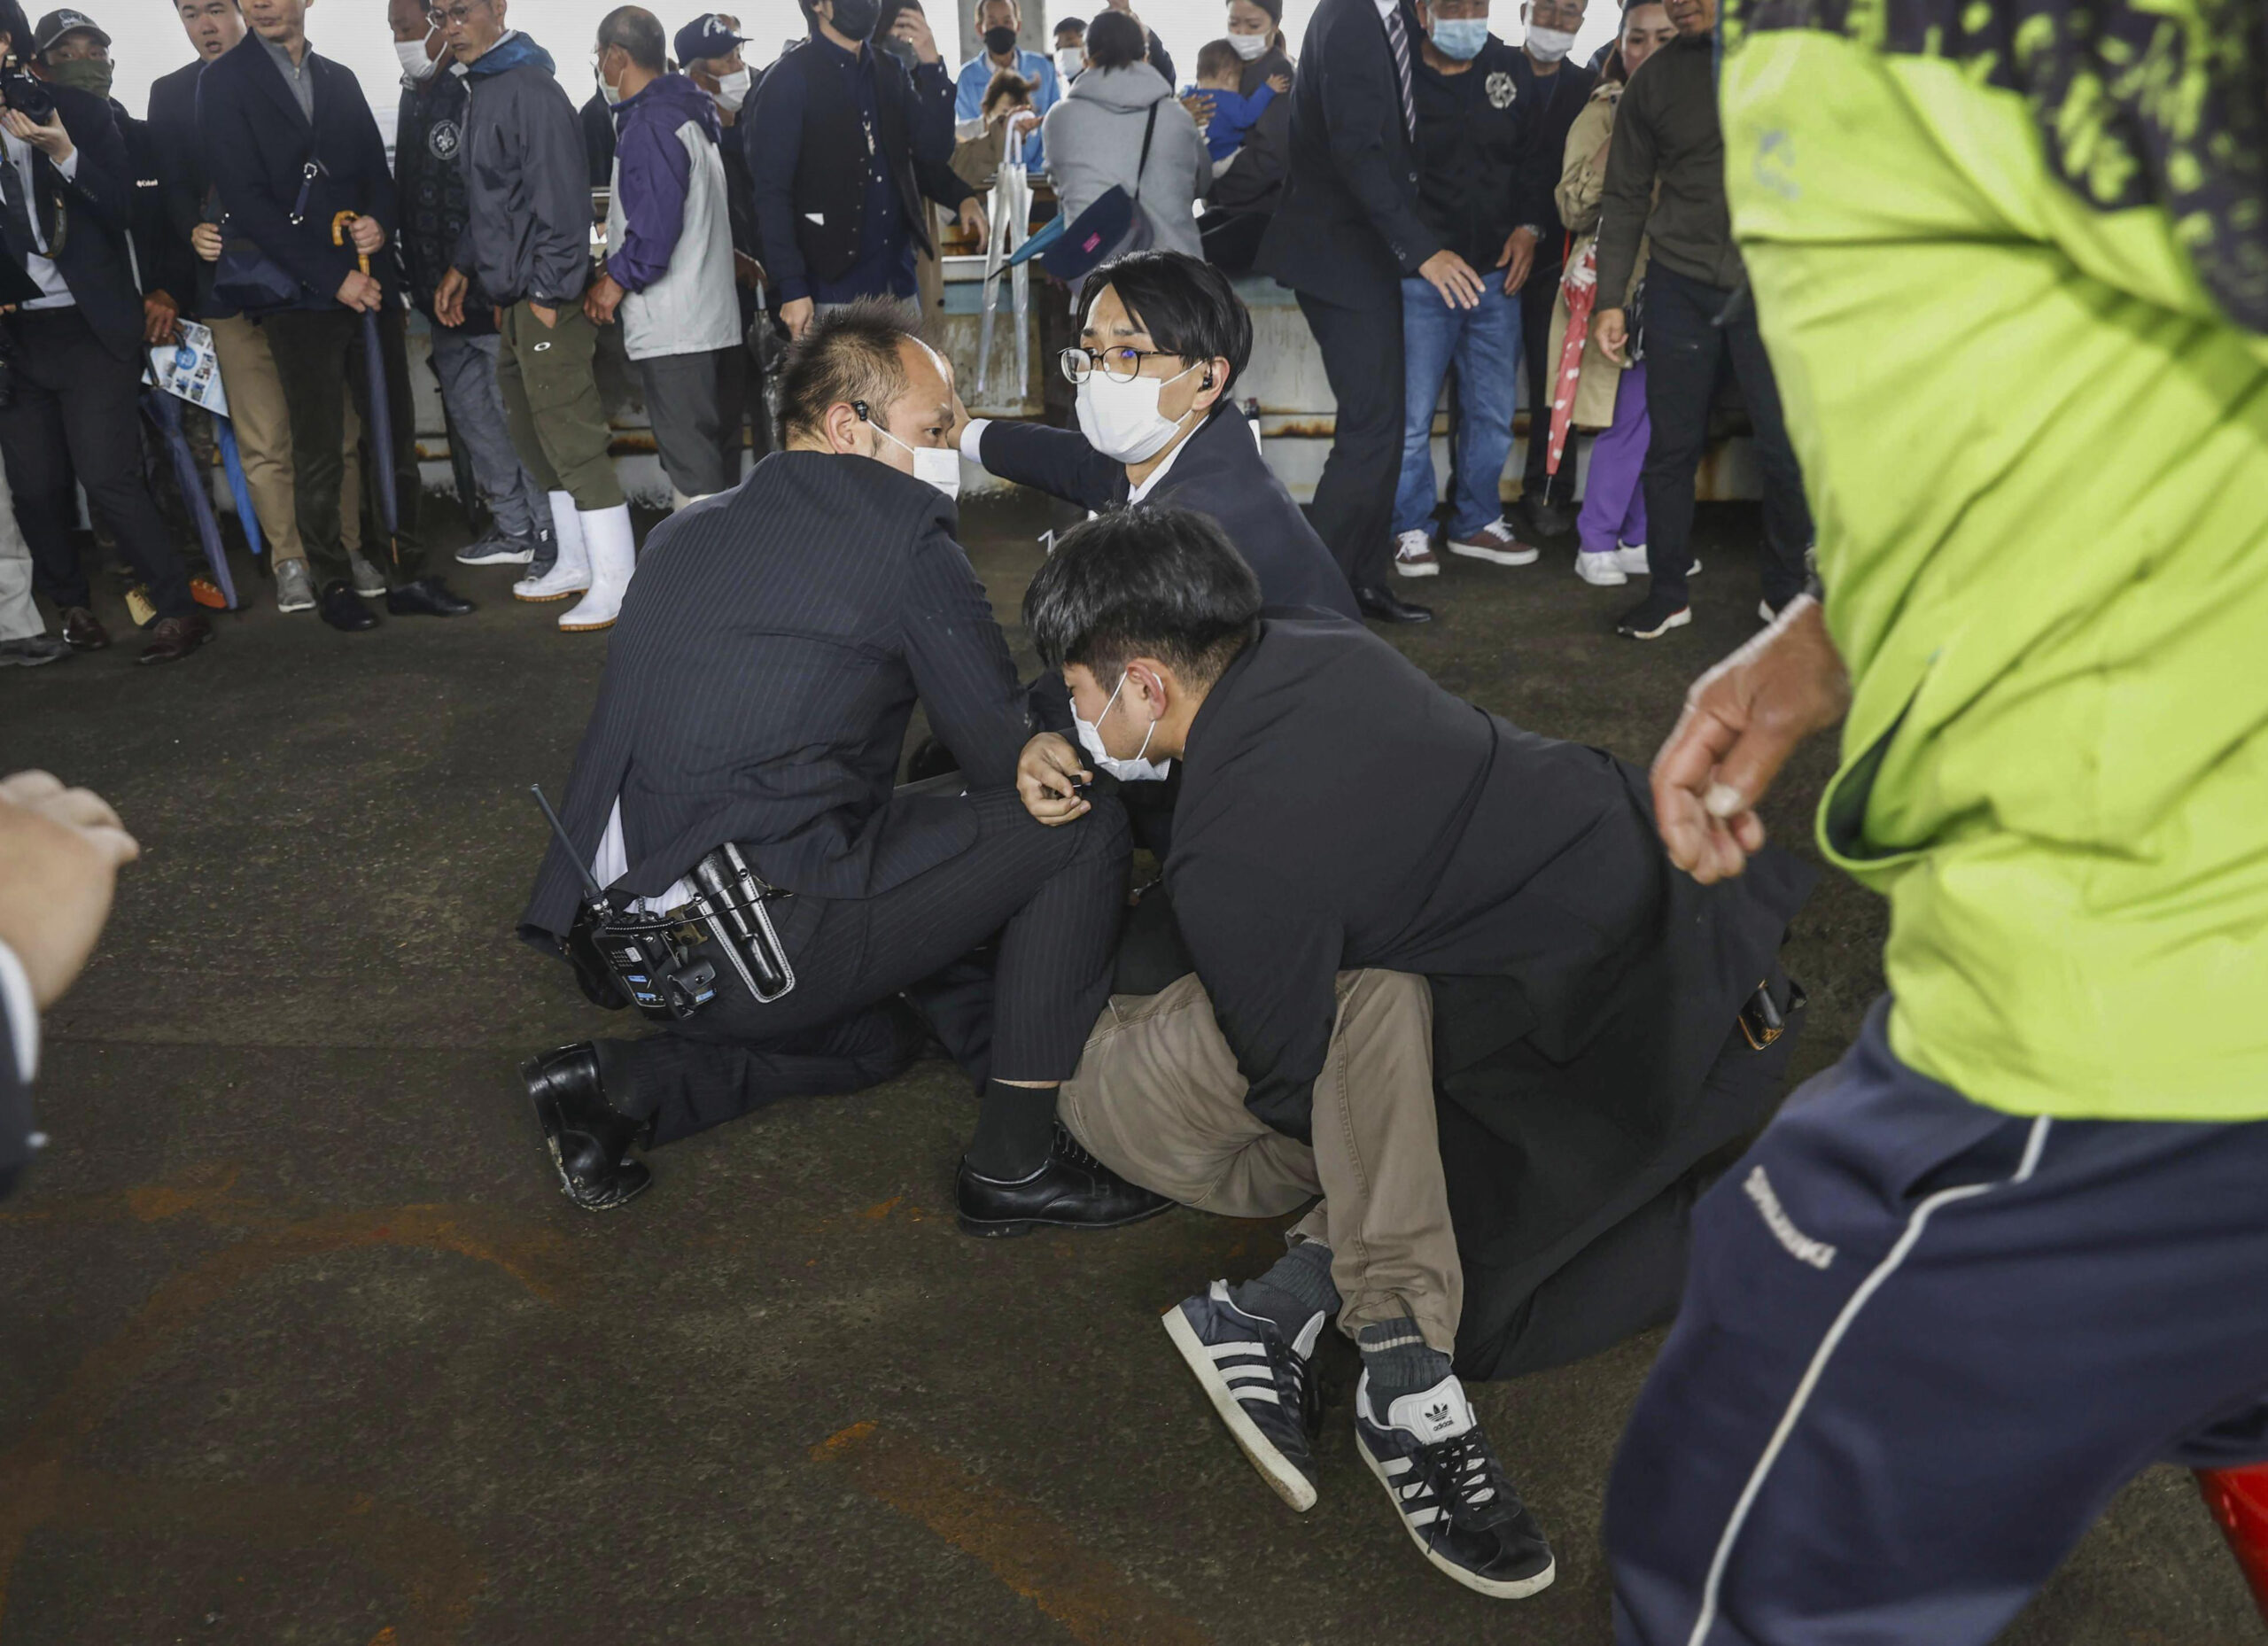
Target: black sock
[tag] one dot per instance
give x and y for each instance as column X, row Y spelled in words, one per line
column 1400, row 1362
column 1293, row 1293
column 1015, row 1126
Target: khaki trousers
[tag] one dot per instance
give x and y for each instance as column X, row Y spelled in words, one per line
column 552, row 406
column 263, row 426
column 1157, row 1099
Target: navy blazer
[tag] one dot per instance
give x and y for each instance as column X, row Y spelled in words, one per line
column 1219, row 471
column 254, row 142
column 1348, row 229
column 759, row 681
column 87, row 217
column 172, row 126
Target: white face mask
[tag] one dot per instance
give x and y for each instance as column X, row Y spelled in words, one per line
column 1121, row 420
column 732, row 90
column 1251, row 47
column 415, row 63
column 610, row 93
column 938, row 465
column 1133, row 770
column 1070, row 60
column 1549, row 45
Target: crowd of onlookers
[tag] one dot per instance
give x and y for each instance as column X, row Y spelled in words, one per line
column 1441, row 202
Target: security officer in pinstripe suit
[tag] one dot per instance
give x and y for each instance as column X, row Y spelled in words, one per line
column 758, row 690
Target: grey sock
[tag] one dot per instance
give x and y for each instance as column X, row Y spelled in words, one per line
column 1400, row 1362
column 1293, row 1291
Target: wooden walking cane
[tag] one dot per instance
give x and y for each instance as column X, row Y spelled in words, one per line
column 380, row 432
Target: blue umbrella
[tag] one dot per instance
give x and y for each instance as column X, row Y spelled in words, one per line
column 381, row 430
column 166, row 415
column 239, row 488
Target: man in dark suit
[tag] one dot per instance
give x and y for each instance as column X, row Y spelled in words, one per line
column 60, row 850
column 1166, row 318
column 758, row 689
column 73, row 356
column 1346, row 233
column 289, row 142
column 1598, row 1030
column 845, row 150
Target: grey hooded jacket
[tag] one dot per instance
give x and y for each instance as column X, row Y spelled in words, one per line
column 527, row 232
column 1093, row 139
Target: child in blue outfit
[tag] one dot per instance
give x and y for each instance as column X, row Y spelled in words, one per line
column 1219, row 72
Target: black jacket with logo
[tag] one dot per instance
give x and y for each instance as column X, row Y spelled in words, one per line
column 430, row 205
column 1481, row 170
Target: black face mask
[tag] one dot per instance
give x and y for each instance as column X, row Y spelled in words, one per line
column 1001, row 41
column 856, row 18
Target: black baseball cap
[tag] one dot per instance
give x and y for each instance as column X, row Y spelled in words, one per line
column 705, row 37
column 55, row 25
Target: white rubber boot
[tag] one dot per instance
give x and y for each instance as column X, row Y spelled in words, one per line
column 613, row 557
column 571, row 573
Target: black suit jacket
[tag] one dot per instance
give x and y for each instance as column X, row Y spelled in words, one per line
column 1348, row 229
column 182, row 188
column 759, row 681
column 17, row 1121
column 87, row 218
column 1339, row 811
column 1219, row 471
column 254, row 142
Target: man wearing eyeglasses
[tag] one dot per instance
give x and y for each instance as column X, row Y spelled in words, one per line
column 290, row 145
column 527, row 246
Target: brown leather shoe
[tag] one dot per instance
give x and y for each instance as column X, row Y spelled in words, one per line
column 175, row 638
column 82, row 630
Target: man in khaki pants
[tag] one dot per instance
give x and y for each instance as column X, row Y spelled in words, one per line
column 256, row 410
column 1439, row 973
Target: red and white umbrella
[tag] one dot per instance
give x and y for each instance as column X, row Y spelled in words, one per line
column 1579, row 287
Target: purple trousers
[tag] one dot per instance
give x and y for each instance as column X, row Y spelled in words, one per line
column 1614, row 504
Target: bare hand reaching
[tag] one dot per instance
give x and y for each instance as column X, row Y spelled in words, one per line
column 60, row 850
column 1741, row 721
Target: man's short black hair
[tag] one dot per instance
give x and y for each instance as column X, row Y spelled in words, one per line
column 852, row 354
column 1114, row 40
column 1144, row 582
column 1071, row 25
column 639, row 33
column 1187, row 306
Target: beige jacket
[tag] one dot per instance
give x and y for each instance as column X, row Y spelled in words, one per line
column 1581, row 183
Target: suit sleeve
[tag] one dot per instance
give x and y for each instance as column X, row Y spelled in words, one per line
column 232, row 160
column 1363, row 98
column 930, row 127
column 772, row 139
column 102, row 176
column 1053, row 461
column 1627, row 196
column 1269, row 956
column 960, row 662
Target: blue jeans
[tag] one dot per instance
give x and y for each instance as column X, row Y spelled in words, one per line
column 1485, row 342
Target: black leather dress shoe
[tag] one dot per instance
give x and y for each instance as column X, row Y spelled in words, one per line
column 1382, row 604
column 339, row 608
column 1073, row 1191
column 427, row 597
column 1545, row 517
column 588, row 1138
column 82, row 630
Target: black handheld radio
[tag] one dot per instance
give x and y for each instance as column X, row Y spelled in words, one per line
column 644, row 953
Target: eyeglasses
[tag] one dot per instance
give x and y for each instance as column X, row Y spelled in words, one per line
column 444, row 17
column 1119, row 365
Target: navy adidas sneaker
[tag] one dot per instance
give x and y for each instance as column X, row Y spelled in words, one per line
column 1263, row 1385
column 1454, row 1497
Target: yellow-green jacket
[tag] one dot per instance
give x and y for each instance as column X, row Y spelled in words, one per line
column 2011, row 262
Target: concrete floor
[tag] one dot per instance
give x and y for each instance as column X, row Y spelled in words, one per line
column 301, row 1344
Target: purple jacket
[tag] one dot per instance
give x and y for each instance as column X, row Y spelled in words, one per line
column 653, row 173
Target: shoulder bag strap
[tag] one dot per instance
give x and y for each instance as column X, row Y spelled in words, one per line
column 1149, row 129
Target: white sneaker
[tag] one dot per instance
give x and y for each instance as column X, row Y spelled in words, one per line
column 1602, row 568
column 571, row 573
column 1496, row 543
column 1631, row 557
column 613, row 555
column 1413, row 555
